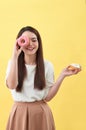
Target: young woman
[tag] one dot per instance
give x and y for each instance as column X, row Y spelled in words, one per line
column 31, row 81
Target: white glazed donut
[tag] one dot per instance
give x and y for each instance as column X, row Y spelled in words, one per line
column 74, row 66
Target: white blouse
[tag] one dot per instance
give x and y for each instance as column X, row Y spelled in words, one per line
column 28, row 93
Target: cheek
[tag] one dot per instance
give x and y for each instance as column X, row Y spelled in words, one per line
column 37, row 45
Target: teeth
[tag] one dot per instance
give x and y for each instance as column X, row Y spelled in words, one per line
column 30, row 48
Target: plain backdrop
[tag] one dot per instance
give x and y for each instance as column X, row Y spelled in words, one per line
column 62, row 25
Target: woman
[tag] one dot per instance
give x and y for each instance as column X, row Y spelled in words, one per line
column 31, row 81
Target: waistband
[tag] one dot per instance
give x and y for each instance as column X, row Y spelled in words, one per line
column 35, row 102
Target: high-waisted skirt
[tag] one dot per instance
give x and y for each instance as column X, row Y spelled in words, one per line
column 30, row 116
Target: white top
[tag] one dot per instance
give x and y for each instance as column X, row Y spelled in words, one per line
column 28, row 93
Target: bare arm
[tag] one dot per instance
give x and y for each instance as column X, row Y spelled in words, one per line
column 54, row 89
column 12, row 78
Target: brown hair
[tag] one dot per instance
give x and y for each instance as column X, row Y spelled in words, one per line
column 39, row 79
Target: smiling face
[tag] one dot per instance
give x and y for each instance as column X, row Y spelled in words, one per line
column 32, row 46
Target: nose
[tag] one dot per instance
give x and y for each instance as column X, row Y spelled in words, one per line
column 30, row 43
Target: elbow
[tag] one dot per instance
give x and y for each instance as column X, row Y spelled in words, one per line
column 11, row 85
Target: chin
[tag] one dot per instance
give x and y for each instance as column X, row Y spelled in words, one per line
column 31, row 53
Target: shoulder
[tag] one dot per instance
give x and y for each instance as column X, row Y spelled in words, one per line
column 48, row 65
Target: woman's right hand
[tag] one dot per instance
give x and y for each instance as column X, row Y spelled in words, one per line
column 16, row 50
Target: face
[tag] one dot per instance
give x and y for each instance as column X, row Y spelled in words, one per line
column 32, row 46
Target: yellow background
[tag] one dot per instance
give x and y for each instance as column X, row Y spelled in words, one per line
column 62, row 25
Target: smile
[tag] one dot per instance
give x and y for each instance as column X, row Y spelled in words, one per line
column 30, row 49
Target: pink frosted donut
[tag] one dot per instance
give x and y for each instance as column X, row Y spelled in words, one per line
column 23, row 41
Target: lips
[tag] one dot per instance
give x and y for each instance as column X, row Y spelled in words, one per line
column 30, row 49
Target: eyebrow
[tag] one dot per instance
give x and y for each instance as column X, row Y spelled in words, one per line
column 34, row 38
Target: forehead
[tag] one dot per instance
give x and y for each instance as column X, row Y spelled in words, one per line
column 29, row 34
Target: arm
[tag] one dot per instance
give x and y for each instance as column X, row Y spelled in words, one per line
column 54, row 89
column 12, row 78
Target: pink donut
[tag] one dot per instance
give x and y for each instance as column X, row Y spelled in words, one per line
column 23, row 41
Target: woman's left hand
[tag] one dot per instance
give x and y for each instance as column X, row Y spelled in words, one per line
column 67, row 72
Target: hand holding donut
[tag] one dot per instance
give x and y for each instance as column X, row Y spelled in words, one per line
column 72, row 69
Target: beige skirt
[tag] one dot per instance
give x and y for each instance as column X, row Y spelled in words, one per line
column 30, row 116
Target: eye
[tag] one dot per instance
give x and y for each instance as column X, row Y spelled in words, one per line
column 34, row 40
column 22, row 41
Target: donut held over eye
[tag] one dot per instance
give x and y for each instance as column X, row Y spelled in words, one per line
column 23, row 41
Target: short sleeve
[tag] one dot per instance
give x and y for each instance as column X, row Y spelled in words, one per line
column 49, row 75
column 49, row 70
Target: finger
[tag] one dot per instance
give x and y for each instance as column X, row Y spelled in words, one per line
column 20, row 50
column 17, row 46
column 76, row 71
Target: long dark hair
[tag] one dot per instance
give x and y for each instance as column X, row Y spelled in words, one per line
column 39, row 79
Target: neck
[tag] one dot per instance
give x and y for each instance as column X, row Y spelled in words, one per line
column 30, row 60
